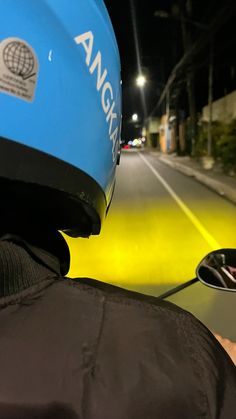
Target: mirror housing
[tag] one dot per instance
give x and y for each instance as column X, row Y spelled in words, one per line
column 218, row 269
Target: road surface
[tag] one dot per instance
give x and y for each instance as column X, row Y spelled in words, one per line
column 160, row 225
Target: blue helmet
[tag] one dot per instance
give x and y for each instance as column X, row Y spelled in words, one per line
column 60, row 112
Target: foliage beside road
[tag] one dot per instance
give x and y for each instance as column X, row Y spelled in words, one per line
column 224, row 144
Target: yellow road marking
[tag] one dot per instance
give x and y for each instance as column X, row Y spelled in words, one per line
column 195, row 221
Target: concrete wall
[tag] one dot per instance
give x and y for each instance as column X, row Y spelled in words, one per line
column 223, row 109
column 163, row 133
column 167, row 139
column 153, row 125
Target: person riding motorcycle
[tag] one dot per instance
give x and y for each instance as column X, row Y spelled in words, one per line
column 80, row 348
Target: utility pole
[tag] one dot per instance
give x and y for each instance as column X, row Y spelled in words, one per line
column 210, row 99
column 167, row 119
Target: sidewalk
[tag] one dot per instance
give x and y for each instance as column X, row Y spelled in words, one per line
column 222, row 184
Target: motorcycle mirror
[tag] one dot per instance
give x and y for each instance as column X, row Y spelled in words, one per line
column 218, row 269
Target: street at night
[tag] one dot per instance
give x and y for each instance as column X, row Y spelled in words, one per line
column 118, row 208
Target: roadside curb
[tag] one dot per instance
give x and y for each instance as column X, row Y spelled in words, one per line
column 220, row 187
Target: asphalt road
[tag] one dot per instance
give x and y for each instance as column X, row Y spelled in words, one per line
column 160, row 225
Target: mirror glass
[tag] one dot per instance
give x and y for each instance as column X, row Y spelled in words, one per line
column 218, row 269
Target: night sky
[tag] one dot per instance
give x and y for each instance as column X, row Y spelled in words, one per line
column 161, row 47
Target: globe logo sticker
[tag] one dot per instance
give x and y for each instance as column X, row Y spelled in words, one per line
column 18, row 68
column 18, row 59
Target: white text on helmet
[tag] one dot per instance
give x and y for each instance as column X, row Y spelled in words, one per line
column 107, row 95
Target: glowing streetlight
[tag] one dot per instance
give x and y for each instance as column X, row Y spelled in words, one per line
column 141, row 80
column 134, row 117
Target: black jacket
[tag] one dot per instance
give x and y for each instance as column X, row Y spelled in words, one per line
column 81, row 349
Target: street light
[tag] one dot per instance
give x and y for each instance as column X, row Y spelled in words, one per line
column 141, row 80
column 135, row 117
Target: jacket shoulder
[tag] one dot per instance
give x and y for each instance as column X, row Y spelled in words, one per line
column 122, row 295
